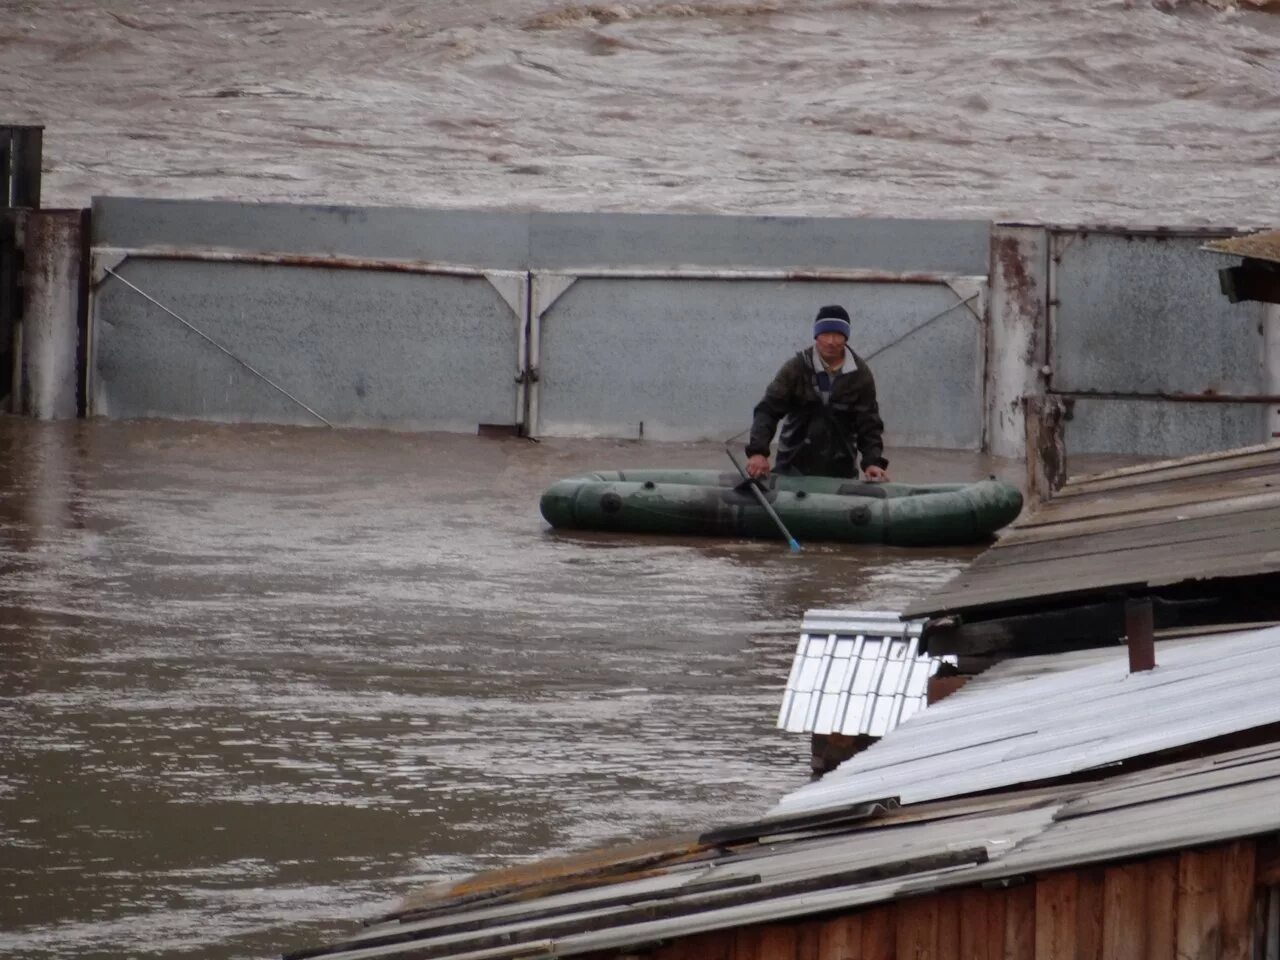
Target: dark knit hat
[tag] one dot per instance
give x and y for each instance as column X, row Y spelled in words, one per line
column 832, row 319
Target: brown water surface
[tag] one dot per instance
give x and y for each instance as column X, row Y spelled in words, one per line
column 260, row 682
column 1123, row 111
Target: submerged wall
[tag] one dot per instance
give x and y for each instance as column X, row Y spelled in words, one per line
column 663, row 326
column 666, row 327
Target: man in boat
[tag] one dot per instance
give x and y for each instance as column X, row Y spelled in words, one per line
column 826, row 399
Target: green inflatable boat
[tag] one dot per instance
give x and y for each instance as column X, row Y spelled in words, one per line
column 813, row 508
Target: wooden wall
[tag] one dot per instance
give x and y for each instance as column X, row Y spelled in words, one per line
column 1195, row 905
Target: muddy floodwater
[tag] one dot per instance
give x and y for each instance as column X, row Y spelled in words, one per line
column 257, row 683
column 1122, row 111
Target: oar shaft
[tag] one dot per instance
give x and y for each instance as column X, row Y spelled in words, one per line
column 764, row 502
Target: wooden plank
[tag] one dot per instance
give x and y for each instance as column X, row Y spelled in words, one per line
column 1247, row 769
column 1156, row 466
column 1267, row 864
column 1100, row 503
column 878, row 927
column 1089, row 914
column 973, row 933
column 1236, row 900
column 1271, row 925
column 917, row 928
column 745, row 943
column 840, row 938
column 774, row 941
column 1253, row 513
column 1020, row 923
column 1046, row 450
column 1057, row 899
column 1126, row 563
column 1232, row 553
column 715, row 945
column 1198, row 530
column 1254, row 483
column 1162, row 907
column 982, row 921
column 1124, row 912
column 1052, row 528
column 997, row 918
column 948, row 935
column 1225, row 463
column 1226, row 475
column 1199, row 909
column 809, row 940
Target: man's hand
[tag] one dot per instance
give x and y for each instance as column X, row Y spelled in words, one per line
column 876, row 474
column 757, row 466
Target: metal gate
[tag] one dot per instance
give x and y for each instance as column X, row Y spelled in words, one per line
column 1151, row 356
column 686, row 354
column 306, row 339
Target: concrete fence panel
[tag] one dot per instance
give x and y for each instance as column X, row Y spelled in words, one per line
column 675, row 357
column 353, row 347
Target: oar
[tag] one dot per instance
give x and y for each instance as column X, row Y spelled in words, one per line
column 768, row 507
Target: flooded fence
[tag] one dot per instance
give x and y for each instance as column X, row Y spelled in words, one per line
column 1126, row 334
column 664, row 326
column 1145, row 349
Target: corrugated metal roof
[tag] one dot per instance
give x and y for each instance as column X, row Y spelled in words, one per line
column 1204, row 517
column 908, row 851
column 1005, row 728
column 856, row 672
column 1258, row 246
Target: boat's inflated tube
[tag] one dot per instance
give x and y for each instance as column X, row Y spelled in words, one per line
column 813, row 508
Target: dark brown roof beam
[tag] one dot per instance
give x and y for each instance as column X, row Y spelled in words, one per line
column 1252, row 280
column 1140, row 633
column 1076, row 627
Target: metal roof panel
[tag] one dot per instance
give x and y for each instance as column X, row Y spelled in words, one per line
column 856, row 672
column 1030, row 729
column 1202, row 517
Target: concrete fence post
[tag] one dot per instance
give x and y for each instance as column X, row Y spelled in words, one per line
column 52, row 281
column 1018, row 333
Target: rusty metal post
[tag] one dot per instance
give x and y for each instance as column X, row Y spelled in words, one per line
column 1046, row 448
column 10, row 310
column 1139, row 632
column 20, row 153
column 1271, row 347
column 51, row 326
column 20, row 158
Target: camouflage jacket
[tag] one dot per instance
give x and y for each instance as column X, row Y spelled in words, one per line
column 820, row 438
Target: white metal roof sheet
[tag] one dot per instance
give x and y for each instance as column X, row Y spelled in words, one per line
column 1020, row 729
column 856, row 672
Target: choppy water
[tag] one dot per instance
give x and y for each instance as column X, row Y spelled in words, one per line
column 1125, row 111
column 256, row 683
